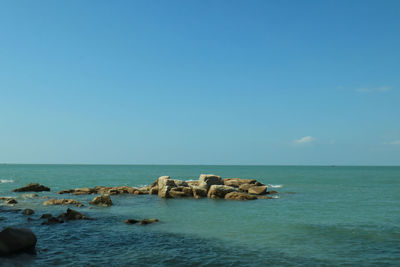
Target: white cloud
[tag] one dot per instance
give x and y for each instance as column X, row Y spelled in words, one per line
column 395, row 142
column 381, row 89
column 304, row 140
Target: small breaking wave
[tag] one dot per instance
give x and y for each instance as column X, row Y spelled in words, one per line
column 275, row 185
column 3, row 181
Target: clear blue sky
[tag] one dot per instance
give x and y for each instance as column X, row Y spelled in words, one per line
column 200, row 82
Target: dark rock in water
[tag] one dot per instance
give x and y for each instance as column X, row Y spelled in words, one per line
column 72, row 215
column 104, row 200
column 239, row 196
column 28, row 212
column 14, row 240
column 131, row 221
column 258, row 190
column 34, row 187
column 2, row 218
column 46, row 216
column 148, row 221
column 11, row 201
column 52, row 220
column 272, row 192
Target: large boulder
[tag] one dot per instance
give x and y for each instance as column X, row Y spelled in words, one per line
column 34, row 187
column 153, row 190
column 219, row 191
column 207, row 180
column 199, row 192
column 13, row 240
column 239, row 196
column 245, row 187
column 104, row 200
column 236, row 182
column 180, row 191
column 165, row 183
column 258, row 190
column 62, row 202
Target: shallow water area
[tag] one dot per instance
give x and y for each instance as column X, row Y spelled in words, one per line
column 323, row 216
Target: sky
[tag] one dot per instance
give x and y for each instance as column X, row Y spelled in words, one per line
column 200, row 82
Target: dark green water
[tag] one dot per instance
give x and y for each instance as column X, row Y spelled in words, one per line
column 323, row 216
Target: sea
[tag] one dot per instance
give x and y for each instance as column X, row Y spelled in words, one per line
column 322, row 216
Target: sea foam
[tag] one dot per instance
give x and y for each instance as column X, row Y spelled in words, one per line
column 3, row 181
column 275, row 185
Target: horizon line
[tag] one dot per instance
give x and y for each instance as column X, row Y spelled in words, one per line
column 174, row 164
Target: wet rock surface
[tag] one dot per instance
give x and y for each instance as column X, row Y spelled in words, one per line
column 33, row 187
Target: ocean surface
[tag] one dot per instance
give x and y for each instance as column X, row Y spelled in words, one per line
column 324, row 216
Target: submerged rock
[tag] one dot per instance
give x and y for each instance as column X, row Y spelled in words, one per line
column 131, row 221
column 239, row 196
column 14, row 240
column 148, row 221
column 272, row 192
column 34, row 187
column 104, row 200
column 219, row 191
column 62, row 202
column 28, row 212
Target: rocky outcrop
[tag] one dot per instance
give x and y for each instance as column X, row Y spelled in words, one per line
column 219, row 191
column 109, row 190
column 34, row 187
column 207, row 180
column 28, row 212
column 239, row 196
column 62, row 202
column 258, row 190
column 14, row 240
column 103, row 200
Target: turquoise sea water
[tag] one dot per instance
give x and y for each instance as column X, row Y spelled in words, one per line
column 324, row 216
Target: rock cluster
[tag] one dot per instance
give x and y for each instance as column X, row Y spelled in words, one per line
column 34, row 187
column 208, row 185
column 117, row 190
column 69, row 215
